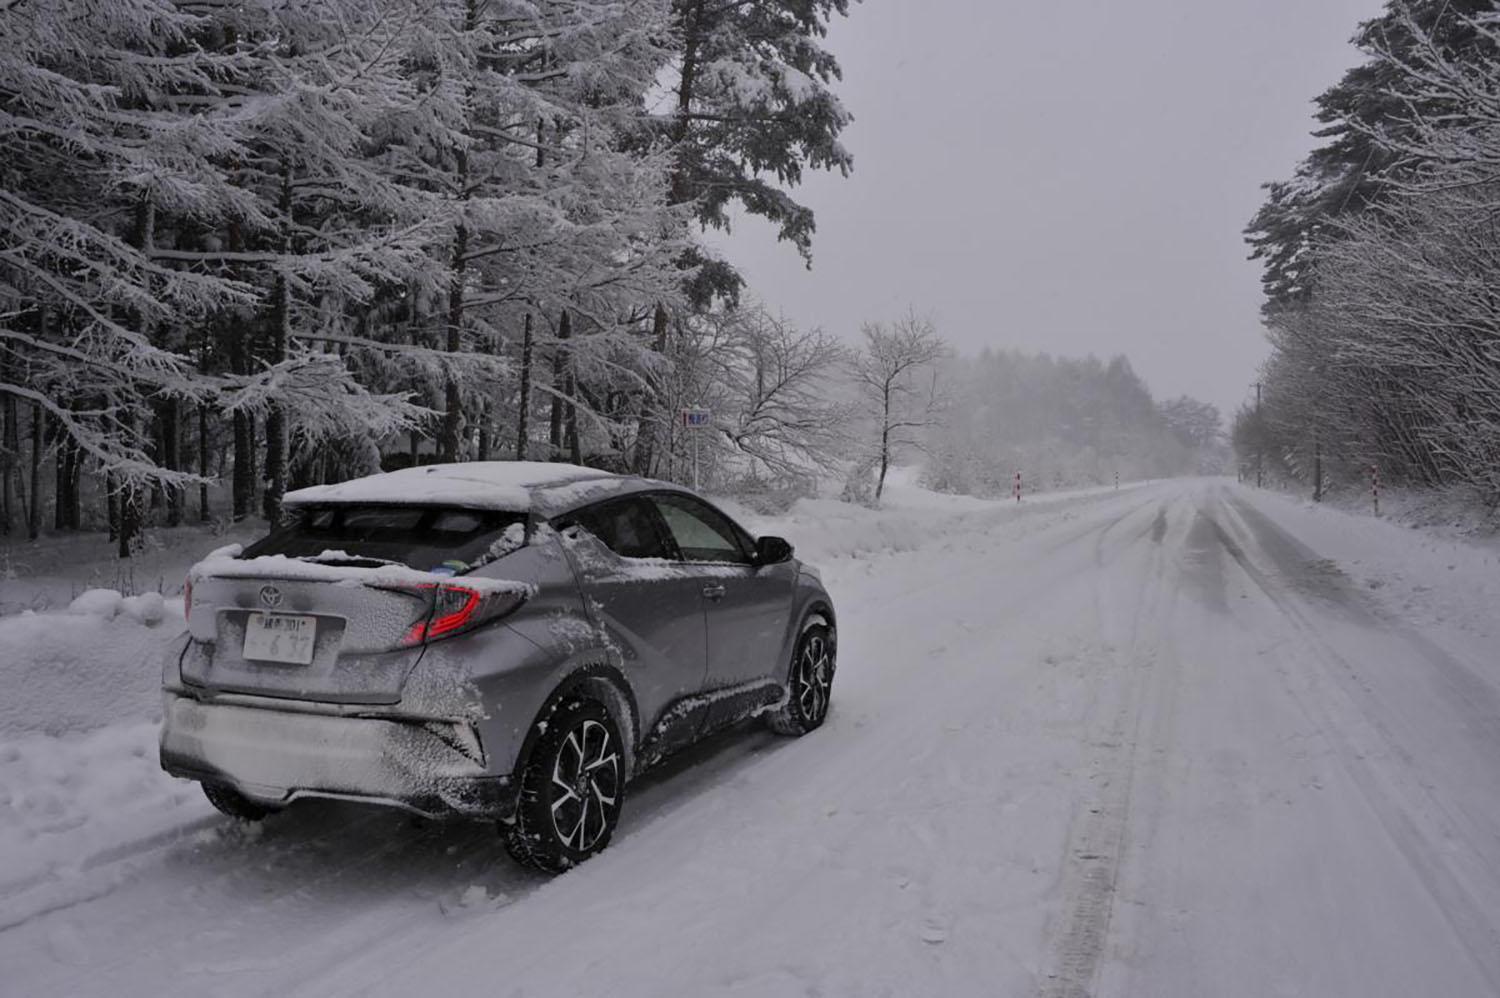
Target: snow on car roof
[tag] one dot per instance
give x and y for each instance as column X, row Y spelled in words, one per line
column 506, row 485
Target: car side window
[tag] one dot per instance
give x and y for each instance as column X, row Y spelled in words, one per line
column 701, row 532
column 628, row 527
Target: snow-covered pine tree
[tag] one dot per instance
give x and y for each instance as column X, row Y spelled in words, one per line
column 558, row 224
column 307, row 219
column 332, row 229
column 1348, row 173
column 89, row 157
column 749, row 108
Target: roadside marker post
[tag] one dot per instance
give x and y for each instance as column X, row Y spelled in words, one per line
column 696, row 418
column 1375, row 486
column 1018, row 486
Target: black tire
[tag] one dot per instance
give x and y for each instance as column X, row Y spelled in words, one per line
column 809, row 683
column 572, row 787
column 233, row 803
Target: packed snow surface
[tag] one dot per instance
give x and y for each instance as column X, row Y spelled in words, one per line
column 504, row 485
column 1183, row 739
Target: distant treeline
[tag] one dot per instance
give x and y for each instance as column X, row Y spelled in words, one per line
column 1064, row 422
column 1382, row 266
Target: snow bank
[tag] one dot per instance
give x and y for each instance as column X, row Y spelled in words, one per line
column 147, row 608
column 1455, row 512
column 67, row 801
column 1420, row 574
column 95, row 664
column 50, row 573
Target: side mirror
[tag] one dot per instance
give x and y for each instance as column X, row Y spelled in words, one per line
column 772, row 550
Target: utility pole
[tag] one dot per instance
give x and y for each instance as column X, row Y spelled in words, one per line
column 1260, row 438
column 1317, row 466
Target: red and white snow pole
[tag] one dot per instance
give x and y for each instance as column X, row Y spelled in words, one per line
column 1375, row 486
column 1117, row 481
column 1018, row 486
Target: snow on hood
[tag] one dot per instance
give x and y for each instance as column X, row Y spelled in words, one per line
column 504, row 485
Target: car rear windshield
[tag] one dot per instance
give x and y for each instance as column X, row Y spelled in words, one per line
column 422, row 537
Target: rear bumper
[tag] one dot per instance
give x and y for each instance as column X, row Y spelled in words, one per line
column 274, row 757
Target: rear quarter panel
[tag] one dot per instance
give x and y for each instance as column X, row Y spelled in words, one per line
column 510, row 670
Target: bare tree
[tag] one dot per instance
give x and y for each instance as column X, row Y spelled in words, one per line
column 781, row 411
column 896, row 376
column 780, row 416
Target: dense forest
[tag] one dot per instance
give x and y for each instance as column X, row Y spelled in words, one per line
column 288, row 243
column 1382, row 263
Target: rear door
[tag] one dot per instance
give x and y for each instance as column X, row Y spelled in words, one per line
column 651, row 610
column 747, row 604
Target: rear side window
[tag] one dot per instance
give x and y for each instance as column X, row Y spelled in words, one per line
column 421, row 537
column 628, row 527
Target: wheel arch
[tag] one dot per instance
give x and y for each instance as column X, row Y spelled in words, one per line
column 819, row 611
column 604, row 684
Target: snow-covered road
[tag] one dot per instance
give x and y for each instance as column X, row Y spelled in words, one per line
column 1174, row 740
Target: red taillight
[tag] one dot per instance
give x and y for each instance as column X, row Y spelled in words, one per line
column 457, row 608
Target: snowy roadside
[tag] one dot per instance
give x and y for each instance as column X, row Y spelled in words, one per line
column 78, row 768
column 1457, row 513
column 50, row 573
column 1422, row 574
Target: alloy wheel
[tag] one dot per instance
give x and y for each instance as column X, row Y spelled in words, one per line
column 814, row 678
column 585, row 785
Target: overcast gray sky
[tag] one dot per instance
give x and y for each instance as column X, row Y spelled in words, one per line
column 1062, row 176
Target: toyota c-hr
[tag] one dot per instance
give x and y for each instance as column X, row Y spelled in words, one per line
column 507, row 641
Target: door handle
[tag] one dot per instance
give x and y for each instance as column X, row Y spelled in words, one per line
column 714, row 591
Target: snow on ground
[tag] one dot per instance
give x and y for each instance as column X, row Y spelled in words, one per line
column 1424, row 573
column 1183, row 739
column 84, row 667
column 1456, row 512
column 50, row 573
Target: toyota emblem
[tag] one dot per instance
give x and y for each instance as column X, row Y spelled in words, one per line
column 270, row 596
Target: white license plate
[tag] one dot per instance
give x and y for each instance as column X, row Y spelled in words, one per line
column 280, row 637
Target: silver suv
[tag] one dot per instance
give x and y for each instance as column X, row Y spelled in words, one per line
column 498, row 640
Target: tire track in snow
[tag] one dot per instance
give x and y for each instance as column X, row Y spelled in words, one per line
column 1095, row 847
column 93, row 877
